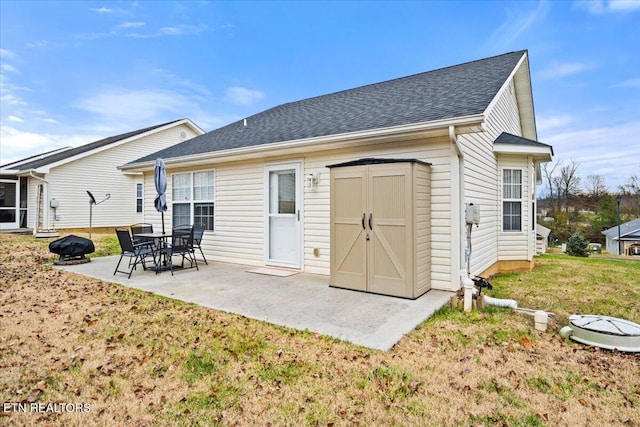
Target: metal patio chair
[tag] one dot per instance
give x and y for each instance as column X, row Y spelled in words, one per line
column 181, row 244
column 136, row 252
column 198, row 232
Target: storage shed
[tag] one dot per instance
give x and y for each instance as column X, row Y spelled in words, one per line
column 380, row 225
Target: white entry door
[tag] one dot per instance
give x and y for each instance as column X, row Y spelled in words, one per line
column 283, row 240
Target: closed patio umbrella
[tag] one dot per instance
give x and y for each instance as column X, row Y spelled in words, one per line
column 160, row 179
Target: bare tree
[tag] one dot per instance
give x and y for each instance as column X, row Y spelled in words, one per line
column 568, row 182
column 549, row 171
column 630, row 191
column 595, row 186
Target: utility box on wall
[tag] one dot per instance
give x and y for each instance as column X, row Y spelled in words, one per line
column 381, row 226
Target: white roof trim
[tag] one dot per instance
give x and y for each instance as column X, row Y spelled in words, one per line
column 462, row 124
column 46, row 168
column 539, row 153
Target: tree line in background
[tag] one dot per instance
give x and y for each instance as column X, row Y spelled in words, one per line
column 570, row 204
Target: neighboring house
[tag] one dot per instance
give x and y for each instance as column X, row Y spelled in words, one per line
column 542, row 239
column 262, row 187
column 31, row 187
column 629, row 238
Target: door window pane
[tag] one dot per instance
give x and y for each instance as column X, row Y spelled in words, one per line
column 282, row 191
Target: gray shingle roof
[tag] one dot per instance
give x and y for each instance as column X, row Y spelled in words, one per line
column 446, row 93
column 507, row 138
column 627, row 229
column 62, row 155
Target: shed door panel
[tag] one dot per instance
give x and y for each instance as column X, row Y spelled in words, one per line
column 348, row 252
column 390, row 254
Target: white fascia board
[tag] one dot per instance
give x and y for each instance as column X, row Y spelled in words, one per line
column 465, row 124
column 46, row 168
column 505, row 85
column 539, row 153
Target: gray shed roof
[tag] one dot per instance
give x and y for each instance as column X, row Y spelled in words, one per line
column 45, row 159
column 452, row 92
column 629, row 229
column 507, row 138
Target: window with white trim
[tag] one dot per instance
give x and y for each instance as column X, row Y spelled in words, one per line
column 511, row 200
column 193, row 198
column 138, row 198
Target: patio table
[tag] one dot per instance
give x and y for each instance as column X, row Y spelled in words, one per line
column 162, row 238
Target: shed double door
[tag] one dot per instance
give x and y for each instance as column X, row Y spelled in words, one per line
column 372, row 229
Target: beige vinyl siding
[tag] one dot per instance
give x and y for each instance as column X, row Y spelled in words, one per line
column 482, row 177
column 238, row 235
column 98, row 173
column 317, row 202
column 516, row 245
column 239, row 207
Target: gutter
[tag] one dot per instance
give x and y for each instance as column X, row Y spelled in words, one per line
column 345, row 139
column 457, row 227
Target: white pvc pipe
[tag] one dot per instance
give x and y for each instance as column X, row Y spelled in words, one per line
column 510, row 303
column 468, row 293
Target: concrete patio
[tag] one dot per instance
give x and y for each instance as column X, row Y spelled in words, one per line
column 301, row 301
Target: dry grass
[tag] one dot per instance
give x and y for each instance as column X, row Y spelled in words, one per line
column 137, row 359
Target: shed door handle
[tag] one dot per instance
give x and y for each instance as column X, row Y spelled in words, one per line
column 370, row 218
column 363, row 215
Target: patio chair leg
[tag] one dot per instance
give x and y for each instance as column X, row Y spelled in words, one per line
column 203, row 257
column 118, row 266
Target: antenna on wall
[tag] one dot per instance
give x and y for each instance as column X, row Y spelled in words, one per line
column 92, row 201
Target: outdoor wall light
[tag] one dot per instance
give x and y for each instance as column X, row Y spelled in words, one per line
column 311, row 181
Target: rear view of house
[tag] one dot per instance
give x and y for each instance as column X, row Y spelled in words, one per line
column 462, row 160
column 49, row 190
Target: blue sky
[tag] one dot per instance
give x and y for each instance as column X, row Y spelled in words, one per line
column 78, row 71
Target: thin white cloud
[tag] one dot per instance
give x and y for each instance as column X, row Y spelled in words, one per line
column 11, row 99
column 599, row 7
column 630, row 83
column 101, row 10
column 133, row 105
column 171, row 31
column 548, row 123
column 624, row 5
column 128, row 25
column 173, row 80
column 516, row 22
column 598, row 148
column 46, row 44
column 52, row 121
column 7, row 54
column 16, row 144
column 13, row 118
column 9, row 68
column 559, row 70
column 243, row 96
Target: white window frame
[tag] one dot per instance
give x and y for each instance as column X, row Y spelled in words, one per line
column 140, row 196
column 190, row 197
column 511, row 199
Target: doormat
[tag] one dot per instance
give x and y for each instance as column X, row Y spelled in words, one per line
column 273, row 272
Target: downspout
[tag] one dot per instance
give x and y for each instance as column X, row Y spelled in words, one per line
column 459, row 225
column 46, row 197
